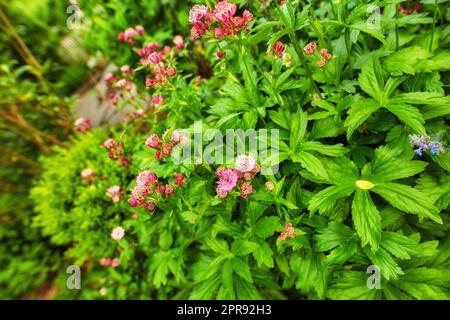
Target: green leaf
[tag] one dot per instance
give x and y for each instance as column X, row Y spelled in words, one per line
column 364, row 27
column 335, row 150
column 384, row 261
column 352, row 285
column 298, row 128
column 267, row 226
column 359, row 112
column 243, row 247
column 325, row 200
column 332, row 236
column 242, row 269
column 409, row 115
column 310, row 163
column 371, row 79
column 366, row 218
column 408, row 199
column 227, row 291
column 398, row 245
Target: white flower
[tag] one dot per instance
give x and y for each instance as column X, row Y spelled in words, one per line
column 117, row 233
column 103, row 291
column 245, row 163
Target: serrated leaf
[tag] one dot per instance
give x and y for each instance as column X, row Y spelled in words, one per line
column 367, row 219
column 408, row 199
column 267, row 226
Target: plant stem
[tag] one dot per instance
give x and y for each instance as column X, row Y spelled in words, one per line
column 434, row 25
column 303, row 61
column 396, row 27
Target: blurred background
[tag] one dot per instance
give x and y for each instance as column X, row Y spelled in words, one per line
column 53, row 55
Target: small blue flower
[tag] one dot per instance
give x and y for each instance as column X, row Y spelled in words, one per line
column 418, row 151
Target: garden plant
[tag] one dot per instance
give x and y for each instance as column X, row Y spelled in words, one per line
column 266, row 150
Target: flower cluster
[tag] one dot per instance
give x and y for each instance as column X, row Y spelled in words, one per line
column 116, row 151
column 165, row 145
column 118, row 87
column 83, row 124
column 202, row 18
column 288, row 232
column 310, row 48
column 115, row 192
column 106, row 262
column 117, row 233
column 245, row 170
column 416, row 8
column 153, row 56
column 278, row 49
column 130, row 34
column 147, row 185
column 424, row 143
column 88, row 175
column 326, row 56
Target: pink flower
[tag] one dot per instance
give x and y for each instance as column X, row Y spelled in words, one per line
column 115, row 262
column 321, row 63
column 179, row 179
column 227, row 181
column 87, row 173
column 246, row 190
column 310, row 48
column 83, row 124
column 153, row 142
column 117, row 233
column 325, row 54
column 115, row 192
column 149, row 206
column 167, row 150
column 158, row 101
column 179, row 42
column 146, row 178
column 197, row 13
column 169, row 190
column 178, row 137
column 134, row 202
column 155, row 57
column 198, row 29
column 288, row 232
column 247, row 16
column 139, row 30
column 109, row 144
column 219, row 33
column 105, row 262
column 224, row 11
column 161, row 189
column 245, row 163
column 278, row 47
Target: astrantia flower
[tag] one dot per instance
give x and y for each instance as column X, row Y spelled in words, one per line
column 269, row 185
column 169, row 190
column 288, row 232
column 278, row 47
column 179, row 179
column 179, row 42
column 117, row 233
column 87, row 173
column 83, row 124
column 115, row 262
column 197, row 13
column 178, row 137
column 158, row 101
column 153, row 142
column 245, row 163
column 246, row 190
column 224, row 11
column 149, row 206
column 219, row 54
column 227, row 181
column 310, row 48
column 109, row 144
column 115, row 192
column 146, row 177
